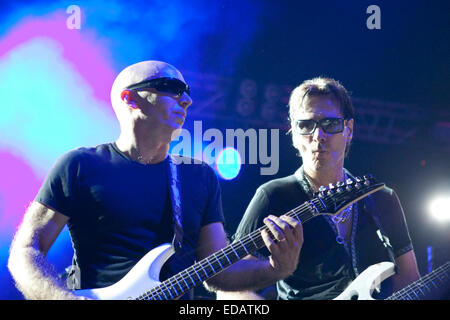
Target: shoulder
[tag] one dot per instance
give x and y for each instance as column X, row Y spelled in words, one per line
column 385, row 202
column 282, row 185
column 191, row 164
column 385, row 194
column 195, row 171
column 86, row 152
column 278, row 195
column 78, row 157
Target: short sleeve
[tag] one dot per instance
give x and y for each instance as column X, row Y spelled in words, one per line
column 393, row 222
column 214, row 210
column 59, row 188
column 257, row 210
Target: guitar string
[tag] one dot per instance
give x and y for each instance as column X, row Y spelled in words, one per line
column 422, row 282
column 245, row 241
column 435, row 275
column 196, row 267
column 412, row 293
column 296, row 212
column 159, row 291
column 230, row 254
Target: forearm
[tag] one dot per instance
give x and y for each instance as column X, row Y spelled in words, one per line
column 249, row 274
column 35, row 277
column 407, row 272
column 238, row 295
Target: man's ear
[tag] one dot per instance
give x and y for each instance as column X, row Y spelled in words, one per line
column 126, row 96
column 349, row 127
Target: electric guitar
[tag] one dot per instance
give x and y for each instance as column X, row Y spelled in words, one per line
column 142, row 281
column 434, row 283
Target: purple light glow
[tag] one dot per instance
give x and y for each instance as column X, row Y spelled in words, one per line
column 82, row 48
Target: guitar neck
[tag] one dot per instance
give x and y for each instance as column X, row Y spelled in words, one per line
column 205, row 269
column 436, row 281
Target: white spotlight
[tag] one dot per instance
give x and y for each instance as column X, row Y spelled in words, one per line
column 440, row 208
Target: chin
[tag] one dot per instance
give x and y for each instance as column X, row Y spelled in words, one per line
column 176, row 133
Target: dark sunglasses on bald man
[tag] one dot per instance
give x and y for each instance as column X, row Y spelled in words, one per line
column 166, row 84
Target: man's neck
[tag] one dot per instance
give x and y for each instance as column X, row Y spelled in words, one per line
column 323, row 177
column 145, row 147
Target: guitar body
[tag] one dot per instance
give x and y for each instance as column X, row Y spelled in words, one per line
column 434, row 285
column 370, row 279
column 144, row 275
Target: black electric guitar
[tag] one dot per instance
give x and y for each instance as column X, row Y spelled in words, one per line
column 433, row 285
column 142, row 281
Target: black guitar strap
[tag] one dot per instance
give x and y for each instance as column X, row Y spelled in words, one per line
column 370, row 206
column 175, row 197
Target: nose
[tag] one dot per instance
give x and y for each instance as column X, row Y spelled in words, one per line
column 319, row 134
column 185, row 101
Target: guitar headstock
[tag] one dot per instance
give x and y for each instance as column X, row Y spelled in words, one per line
column 336, row 198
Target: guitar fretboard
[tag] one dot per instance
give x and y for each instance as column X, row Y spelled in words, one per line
column 436, row 281
column 204, row 269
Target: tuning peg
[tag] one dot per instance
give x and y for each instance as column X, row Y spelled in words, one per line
column 339, row 184
column 349, row 181
column 331, row 186
column 358, row 179
column 321, row 191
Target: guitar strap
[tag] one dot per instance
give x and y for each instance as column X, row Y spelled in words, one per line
column 370, row 206
column 175, row 197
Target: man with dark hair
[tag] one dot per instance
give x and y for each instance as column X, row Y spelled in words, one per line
column 122, row 199
column 335, row 249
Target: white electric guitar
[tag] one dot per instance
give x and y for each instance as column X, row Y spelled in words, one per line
column 437, row 281
column 142, row 281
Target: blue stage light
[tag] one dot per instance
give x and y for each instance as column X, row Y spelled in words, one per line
column 228, row 163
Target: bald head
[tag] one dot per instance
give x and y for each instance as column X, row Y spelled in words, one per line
column 139, row 72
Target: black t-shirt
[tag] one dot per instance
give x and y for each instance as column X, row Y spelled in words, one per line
column 120, row 209
column 325, row 267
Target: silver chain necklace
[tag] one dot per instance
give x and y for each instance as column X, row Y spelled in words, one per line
column 140, row 158
column 339, row 218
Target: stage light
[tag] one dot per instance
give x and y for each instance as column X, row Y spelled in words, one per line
column 228, row 163
column 439, row 208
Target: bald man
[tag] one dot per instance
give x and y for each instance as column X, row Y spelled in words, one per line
column 117, row 200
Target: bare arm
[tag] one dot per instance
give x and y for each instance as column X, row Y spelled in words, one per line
column 35, row 277
column 407, row 271
column 252, row 273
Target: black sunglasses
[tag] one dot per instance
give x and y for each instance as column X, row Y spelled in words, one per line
column 166, row 84
column 329, row 125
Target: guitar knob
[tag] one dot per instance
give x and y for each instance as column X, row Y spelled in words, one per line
column 322, row 190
